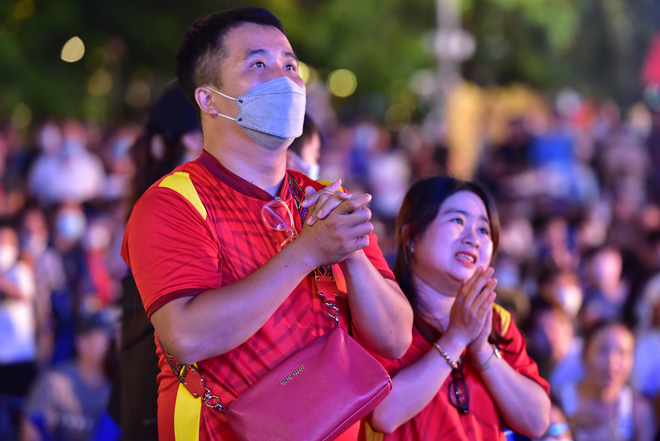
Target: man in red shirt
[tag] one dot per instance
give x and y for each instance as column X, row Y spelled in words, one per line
column 224, row 287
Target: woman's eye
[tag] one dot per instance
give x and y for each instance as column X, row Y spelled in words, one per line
column 484, row 231
column 291, row 67
column 457, row 220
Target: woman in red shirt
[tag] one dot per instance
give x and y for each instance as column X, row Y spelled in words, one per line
column 467, row 374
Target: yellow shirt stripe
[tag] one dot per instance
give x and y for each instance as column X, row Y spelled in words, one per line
column 505, row 317
column 371, row 434
column 181, row 183
column 187, row 415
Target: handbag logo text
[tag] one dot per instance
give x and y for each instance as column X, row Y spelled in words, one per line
column 292, row 374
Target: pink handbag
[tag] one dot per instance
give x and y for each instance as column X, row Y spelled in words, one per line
column 317, row 393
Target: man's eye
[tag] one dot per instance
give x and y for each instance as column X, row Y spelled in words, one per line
column 260, row 64
column 292, row 67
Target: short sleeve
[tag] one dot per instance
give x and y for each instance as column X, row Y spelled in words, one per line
column 375, row 255
column 515, row 352
column 169, row 247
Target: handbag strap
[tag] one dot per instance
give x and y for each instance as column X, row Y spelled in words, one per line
column 323, row 281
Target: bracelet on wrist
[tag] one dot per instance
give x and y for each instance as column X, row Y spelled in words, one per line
column 452, row 364
column 486, row 364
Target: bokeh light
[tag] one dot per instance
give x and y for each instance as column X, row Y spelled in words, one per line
column 21, row 116
column 397, row 117
column 304, row 71
column 342, row 83
column 100, row 83
column 73, row 50
column 138, row 93
column 23, row 10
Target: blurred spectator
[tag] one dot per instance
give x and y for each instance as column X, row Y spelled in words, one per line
column 561, row 288
column 602, row 406
column 48, row 269
column 102, row 290
column 69, row 402
column 552, row 156
column 553, row 343
column 304, row 153
column 388, row 176
column 65, row 171
column 14, row 161
column 653, row 147
column 18, row 350
column 552, row 240
column 646, row 372
column 605, row 292
column 69, row 225
column 505, row 164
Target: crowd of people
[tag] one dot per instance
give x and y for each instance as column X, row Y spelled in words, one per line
column 577, row 267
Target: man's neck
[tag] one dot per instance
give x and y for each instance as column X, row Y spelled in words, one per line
column 245, row 158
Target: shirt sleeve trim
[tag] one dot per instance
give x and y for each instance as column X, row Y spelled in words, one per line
column 167, row 298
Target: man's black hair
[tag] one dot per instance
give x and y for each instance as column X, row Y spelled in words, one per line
column 197, row 60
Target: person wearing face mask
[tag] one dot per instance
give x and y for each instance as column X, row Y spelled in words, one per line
column 224, row 287
column 304, row 152
column 467, row 375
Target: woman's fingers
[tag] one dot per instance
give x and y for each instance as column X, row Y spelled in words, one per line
column 485, row 298
column 478, row 282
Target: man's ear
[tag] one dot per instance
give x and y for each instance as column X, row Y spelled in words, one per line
column 205, row 101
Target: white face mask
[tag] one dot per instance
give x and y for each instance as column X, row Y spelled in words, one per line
column 310, row 170
column 271, row 113
column 8, row 256
column 570, row 298
column 71, row 225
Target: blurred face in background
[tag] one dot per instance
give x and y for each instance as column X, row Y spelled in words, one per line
column 34, row 232
column 8, row 248
column 608, row 357
column 92, row 346
column 606, row 269
column 567, row 293
column 49, row 138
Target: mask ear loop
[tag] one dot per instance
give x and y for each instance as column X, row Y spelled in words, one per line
column 228, row 97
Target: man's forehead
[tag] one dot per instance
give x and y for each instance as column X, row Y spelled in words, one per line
column 263, row 51
column 249, row 39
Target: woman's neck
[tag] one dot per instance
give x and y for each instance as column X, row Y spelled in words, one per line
column 433, row 306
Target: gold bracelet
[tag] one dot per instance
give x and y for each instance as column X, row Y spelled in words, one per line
column 486, row 364
column 452, row 364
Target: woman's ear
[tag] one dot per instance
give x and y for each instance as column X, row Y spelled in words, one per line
column 205, row 101
column 410, row 242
